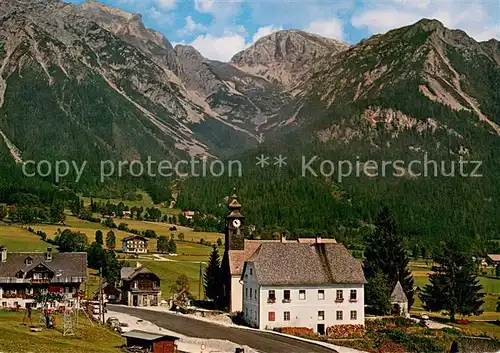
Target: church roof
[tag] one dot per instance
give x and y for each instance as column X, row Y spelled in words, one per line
column 398, row 294
column 293, row 263
column 237, row 258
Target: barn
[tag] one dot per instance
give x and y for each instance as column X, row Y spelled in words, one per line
column 152, row 341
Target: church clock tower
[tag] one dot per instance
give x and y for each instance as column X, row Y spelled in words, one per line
column 235, row 239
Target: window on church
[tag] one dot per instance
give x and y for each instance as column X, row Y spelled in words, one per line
column 246, row 292
column 255, row 294
column 250, row 293
column 286, row 316
column 321, row 315
column 302, row 294
column 354, row 315
column 286, row 296
column 271, row 297
column 340, row 295
column 353, row 295
column 339, row 315
column 271, row 316
column 251, row 271
column 321, row 294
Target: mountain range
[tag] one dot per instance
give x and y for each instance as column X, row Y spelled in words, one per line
column 91, row 82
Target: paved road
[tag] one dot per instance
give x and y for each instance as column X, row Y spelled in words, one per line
column 261, row 341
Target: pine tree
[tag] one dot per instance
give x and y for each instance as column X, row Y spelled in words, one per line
column 212, row 278
column 111, row 240
column 378, row 294
column 98, row 237
column 454, row 286
column 385, row 252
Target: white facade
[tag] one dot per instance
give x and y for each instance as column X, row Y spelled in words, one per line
column 134, row 246
column 236, row 303
column 314, row 307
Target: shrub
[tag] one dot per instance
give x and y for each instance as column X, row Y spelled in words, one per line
column 345, row 331
column 296, row 331
column 451, row 331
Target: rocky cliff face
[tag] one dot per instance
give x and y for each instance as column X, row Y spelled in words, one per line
column 180, row 102
column 285, row 57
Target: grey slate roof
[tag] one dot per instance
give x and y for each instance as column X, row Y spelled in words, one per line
column 305, row 264
column 128, row 273
column 398, row 294
column 63, row 264
column 132, row 237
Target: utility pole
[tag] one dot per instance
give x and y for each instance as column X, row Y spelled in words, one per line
column 199, row 284
column 101, row 298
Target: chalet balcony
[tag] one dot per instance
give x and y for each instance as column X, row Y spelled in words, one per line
column 286, row 301
column 353, row 300
column 271, row 300
column 14, row 280
column 339, row 300
column 17, row 296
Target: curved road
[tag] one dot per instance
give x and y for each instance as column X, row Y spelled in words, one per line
column 261, row 341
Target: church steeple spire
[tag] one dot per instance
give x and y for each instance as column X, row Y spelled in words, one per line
column 233, row 204
column 234, row 224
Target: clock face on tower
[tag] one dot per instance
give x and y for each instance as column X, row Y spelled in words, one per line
column 236, row 223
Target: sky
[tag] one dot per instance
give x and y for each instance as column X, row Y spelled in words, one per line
column 221, row 28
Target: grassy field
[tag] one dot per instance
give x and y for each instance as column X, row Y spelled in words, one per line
column 18, row 239
column 146, row 202
column 168, row 271
column 17, row 338
column 89, row 228
column 491, row 287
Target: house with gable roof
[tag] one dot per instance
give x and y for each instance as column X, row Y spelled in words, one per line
column 314, row 285
column 23, row 274
column 238, row 250
column 139, row 286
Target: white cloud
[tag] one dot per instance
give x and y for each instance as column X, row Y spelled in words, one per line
column 205, row 5
column 166, row 4
column 219, row 48
column 224, row 47
column 265, row 31
column 332, row 28
column 479, row 19
column 161, row 18
column 191, row 27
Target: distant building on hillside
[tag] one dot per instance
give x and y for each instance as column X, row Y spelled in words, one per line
column 23, row 274
column 313, row 285
column 135, row 244
column 495, row 259
column 189, row 214
column 127, row 214
column 139, row 287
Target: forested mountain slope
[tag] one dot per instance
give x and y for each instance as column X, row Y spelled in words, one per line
column 421, row 92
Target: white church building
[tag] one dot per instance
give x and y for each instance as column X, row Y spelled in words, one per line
column 314, row 285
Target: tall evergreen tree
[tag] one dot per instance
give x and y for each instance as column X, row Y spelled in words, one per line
column 212, row 278
column 111, row 240
column 385, row 252
column 454, row 286
column 98, row 237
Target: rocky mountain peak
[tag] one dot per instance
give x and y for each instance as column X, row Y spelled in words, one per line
column 285, row 56
column 128, row 26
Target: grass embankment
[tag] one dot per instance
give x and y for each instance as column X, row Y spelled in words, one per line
column 17, row 338
column 17, row 239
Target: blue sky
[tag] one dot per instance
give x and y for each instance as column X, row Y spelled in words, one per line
column 221, row 28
